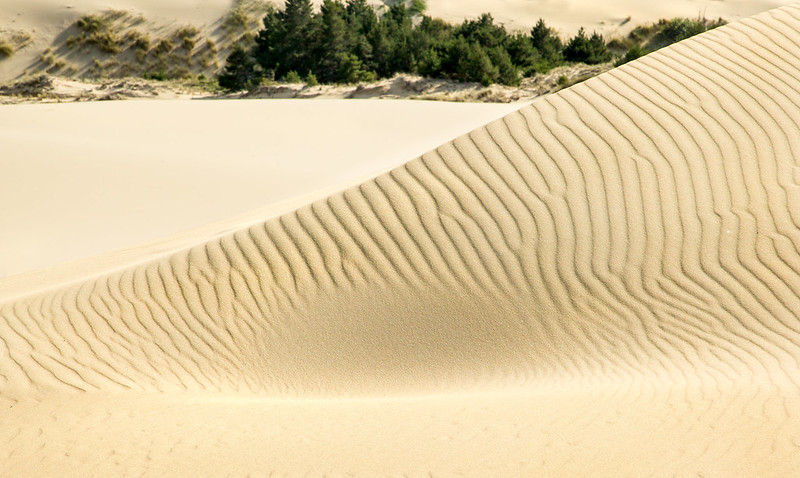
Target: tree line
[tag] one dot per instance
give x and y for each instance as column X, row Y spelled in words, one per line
column 349, row 41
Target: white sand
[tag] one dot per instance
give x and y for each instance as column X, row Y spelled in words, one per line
column 93, row 177
column 605, row 283
column 608, row 17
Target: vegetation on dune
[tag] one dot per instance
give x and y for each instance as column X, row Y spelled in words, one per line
column 347, row 41
column 340, row 42
column 6, row 49
column 590, row 50
column 97, row 31
column 12, row 42
column 646, row 39
column 187, row 36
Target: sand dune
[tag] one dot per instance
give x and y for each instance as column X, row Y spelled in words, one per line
column 163, row 167
column 609, row 17
column 604, row 283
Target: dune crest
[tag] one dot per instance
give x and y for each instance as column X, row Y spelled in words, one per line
column 619, row 260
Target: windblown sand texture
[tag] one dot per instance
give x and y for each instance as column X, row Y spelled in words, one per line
column 605, row 283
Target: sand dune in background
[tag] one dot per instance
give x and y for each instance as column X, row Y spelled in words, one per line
column 567, row 15
column 608, row 17
column 604, row 283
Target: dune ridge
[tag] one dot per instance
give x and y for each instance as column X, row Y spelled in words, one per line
column 618, row 259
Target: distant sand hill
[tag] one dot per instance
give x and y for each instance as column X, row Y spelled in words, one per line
column 605, row 283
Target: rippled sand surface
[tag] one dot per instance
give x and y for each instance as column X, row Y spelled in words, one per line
column 604, row 283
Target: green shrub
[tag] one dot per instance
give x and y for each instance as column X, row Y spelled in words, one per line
column 47, row 57
column 590, row 50
column 679, row 29
column 633, row 53
column 6, row 49
column 96, row 31
column 236, row 19
column 418, row 7
column 562, row 80
column 139, row 40
column 164, row 46
column 311, row 79
column 107, row 41
column 91, row 23
column 156, row 75
column 240, row 71
column 187, row 36
column 292, row 77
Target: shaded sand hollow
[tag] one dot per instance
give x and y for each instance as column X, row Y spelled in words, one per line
column 604, row 283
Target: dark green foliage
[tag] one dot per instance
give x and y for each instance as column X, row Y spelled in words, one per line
column 241, row 71
column 677, row 29
column 418, row 7
column 590, row 50
column 633, row 53
column 157, row 75
column 292, row 77
column 351, row 70
column 346, row 41
column 548, row 45
column 335, row 41
column 681, row 29
column 647, row 38
column 299, row 33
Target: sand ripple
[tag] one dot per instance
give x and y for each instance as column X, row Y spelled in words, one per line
column 605, row 282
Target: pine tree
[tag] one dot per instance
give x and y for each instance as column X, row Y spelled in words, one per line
column 547, row 43
column 298, row 41
column 269, row 42
column 362, row 22
column 335, row 40
column 589, row 50
column 240, row 71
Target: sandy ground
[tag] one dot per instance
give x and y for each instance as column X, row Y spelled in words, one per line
column 603, row 283
column 608, row 17
column 122, row 173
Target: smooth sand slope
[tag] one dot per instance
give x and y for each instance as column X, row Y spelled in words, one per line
column 605, row 283
column 81, row 179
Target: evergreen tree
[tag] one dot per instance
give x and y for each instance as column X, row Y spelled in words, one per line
column 484, row 31
column 392, row 41
column 549, row 46
column 334, row 41
column 346, row 41
column 522, row 53
column 296, row 45
column 418, row 7
column 362, row 22
column 507, row 72
column 241, row 71
column 589, row 50
column 268, row 42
